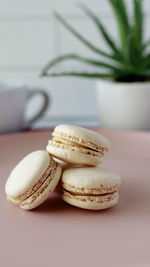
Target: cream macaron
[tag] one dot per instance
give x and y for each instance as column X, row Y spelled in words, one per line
column 32, row 180
column 90, row 188
column 77, row 145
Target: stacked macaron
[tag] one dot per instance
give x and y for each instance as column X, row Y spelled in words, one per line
column 32, row 180
column 78, row 145
column 86, row 187
column 82, row 183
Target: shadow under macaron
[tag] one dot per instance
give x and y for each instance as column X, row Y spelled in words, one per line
column 55, row 204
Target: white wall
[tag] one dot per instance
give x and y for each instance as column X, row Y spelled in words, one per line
column 30, row 36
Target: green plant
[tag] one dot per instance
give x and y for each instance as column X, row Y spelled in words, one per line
column 129, row 61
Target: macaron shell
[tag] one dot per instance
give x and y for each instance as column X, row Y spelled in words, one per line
column 74, row 155
column 42, row 194
column 61, row 162
column 27, row 172
column 82, row 136
column 90, row 180
column 91, row 202
column 38, row 184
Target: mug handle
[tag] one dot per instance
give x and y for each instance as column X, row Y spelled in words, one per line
column 32, row 92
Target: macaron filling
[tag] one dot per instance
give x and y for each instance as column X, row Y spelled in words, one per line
column 64, row 138
column 101, row 190
column 88, row 194
column 92, row 198
column 75, row 147
column 42, row 188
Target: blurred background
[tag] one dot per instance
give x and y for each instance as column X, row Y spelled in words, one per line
column 31, row 36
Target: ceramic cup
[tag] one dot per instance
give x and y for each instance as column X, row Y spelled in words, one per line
column 14, row 97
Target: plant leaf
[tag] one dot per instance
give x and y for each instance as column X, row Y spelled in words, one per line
column 145, row 63
column 79, row 58
column 101, row 28
column 138, row 24
column 82, row 39
column 131, row 57
column 94, row 75
column 145, row 72
column 122, row 21
column 123, row 10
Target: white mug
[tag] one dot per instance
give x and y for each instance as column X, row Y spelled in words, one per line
column 13, row 99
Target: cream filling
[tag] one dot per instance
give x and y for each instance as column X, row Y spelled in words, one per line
column 88, row 194
column 100, row 190
column 75, row 148
column 63, row 137
column 41, row 189
column 104, row 198
column 27, row 196
column 37, row 193
column 64, row 141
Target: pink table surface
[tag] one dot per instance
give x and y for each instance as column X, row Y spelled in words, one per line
column 56, row 234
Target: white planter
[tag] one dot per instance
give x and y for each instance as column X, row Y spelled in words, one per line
column 124, row 105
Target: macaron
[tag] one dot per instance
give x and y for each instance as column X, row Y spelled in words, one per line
column 32, row 180
column 77, row 145
column 92, row 188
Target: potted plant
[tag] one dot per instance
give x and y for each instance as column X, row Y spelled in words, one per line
column 123, row 86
